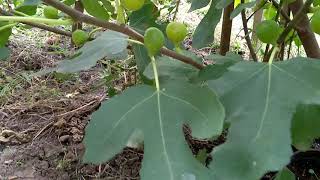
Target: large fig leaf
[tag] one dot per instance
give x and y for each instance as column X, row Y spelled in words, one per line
column 285, row 174
column 4, row 33
column 141, row 20
column 204, row 33
column 94, row 8
column 197, row 4
column 260, row 100
column 110, row 44
column 170, row 68
column 305, row 126
column 4, row 53
column 28, row 7
column 160, row 116
column 241, row 7
column 223, row 3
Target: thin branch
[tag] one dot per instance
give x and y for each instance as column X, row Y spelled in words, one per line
column 246, row 33
column 78, row 16
column 283, row 13
column 40, row 26
column 265, row 2
column 292, row 24
column 294, row 21
column 177, row 9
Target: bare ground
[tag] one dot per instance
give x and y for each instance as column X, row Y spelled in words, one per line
column 42, row 120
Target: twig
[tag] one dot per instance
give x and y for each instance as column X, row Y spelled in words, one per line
column 40, row 26
column 294, row 21
column 177, row 9
column 78, row 16
column 43, row 129
column 75, row 110
column 246, row 33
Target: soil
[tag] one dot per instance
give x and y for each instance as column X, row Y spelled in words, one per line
column 42, row 120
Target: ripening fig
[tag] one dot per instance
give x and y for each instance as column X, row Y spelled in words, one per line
column 153, row 40
column 268, row 31
column 132, row 5
column 315, row 22
column 50, row 12
column 176, row 32
column 79, row 37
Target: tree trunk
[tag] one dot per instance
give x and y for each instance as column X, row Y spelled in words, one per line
column 257, row 18
column 79, row 7
column 305, row 33
column 226, row 30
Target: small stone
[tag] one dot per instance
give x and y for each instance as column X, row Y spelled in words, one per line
column 8, row 162
column 64, row 138
column 60, row 123
column 12, row 177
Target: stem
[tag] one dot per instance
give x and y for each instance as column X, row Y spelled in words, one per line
column 116, row 27
column 7, row 26
column 178, row 49
column 294, row 21
column 36, row 20
column 94, row 31
column 20, row 13
column 177, row 9
column 120, row 13
column 135, row 41
column 246, row 32
column 40, row 26
column 274, row 52
column 155, row 72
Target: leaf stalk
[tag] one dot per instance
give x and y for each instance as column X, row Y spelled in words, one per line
column 36, row 20
column 155, row 71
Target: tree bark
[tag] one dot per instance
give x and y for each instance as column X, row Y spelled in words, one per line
column 257, row 18
column 79, row 7
column 226, row 30
column 305, row 33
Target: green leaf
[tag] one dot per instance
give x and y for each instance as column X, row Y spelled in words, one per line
column 29, row 7
column 69, row 2
column 94, row 8
column 141, row 57
column 221, row 65
column 204, row 33
column 260, row 100
column 223, row 3
column 285, row 174
column 159, row 116
column 4, row 53
column 144, row 18
column 141, row 20
column 107, row 4
column 4, row 34
column 241, row 7
column 305, row 126
column 172, row 69
column 110, row 44
column 270, row 12
column 197, row 4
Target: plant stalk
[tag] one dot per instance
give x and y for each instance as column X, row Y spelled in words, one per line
column 273, row 54
column 36, row 20
column 116, row 27
column 155, row 72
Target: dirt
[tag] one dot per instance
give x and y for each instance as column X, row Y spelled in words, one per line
column 42, row 120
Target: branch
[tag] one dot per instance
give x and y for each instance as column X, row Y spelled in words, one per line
column 246, row 33
column 78, row 16
column 294, row 21
column 177, row 9
column 40, row 26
